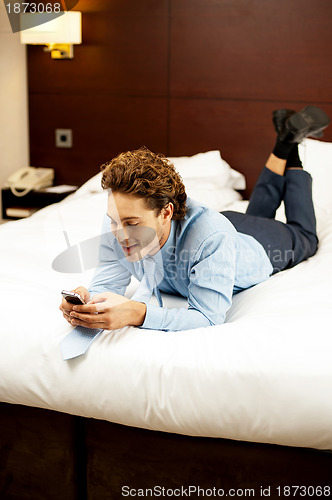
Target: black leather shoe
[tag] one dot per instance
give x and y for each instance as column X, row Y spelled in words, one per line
column 309, row 122
column 279, row 118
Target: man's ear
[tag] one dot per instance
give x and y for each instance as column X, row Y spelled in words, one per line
column 167, row 212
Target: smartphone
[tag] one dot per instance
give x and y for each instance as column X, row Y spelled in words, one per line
column 72, row 297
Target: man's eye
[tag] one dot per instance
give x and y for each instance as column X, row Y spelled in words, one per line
column 133, row 224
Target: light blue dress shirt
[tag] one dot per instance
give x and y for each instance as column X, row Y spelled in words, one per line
column 204, row 259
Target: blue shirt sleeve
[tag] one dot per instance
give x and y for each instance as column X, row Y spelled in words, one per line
column 211, row 282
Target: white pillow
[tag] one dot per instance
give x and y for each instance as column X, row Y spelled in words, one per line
column 316, row 157
column 208, row 179
column 91, row 186
column 216, row 198
column 208, row 167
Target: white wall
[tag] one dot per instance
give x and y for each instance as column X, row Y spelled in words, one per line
column 14, row 145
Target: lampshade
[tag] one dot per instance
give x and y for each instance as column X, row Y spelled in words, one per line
column 50, row 28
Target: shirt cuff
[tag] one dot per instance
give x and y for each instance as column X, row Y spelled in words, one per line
column 153, row 318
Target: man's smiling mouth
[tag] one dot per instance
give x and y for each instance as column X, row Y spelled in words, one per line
column 129, row 249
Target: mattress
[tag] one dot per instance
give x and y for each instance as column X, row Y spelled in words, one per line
column 265, row 375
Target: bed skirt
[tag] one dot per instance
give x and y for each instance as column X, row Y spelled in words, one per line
column 51, row 455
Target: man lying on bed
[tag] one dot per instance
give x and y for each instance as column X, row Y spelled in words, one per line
column 177, row 246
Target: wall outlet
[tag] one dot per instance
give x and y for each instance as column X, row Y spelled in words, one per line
column 63, row 137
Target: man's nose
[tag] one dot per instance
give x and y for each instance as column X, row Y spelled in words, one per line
column 121, row 234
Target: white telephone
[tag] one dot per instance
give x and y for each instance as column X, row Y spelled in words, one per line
column 26, row 179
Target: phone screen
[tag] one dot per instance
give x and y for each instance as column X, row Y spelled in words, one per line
column 72, row 297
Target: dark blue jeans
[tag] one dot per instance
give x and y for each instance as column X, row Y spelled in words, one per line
column 285, row 244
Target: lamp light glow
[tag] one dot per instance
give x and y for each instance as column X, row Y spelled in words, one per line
column 58, row 31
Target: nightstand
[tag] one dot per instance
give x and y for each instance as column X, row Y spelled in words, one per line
column 17, row 207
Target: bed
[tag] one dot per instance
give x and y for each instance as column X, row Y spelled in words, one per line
column 244, row 404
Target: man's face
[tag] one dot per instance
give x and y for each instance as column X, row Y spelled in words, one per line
column 136, row 227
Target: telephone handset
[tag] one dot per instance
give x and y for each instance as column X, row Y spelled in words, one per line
column 26, row 179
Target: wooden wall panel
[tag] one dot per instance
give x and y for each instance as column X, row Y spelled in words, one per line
column 120, row 54
column 103, row 126
column 261, row 50
column 113, row 94
column 233, row 63
column 241, row 130
column 180, row 76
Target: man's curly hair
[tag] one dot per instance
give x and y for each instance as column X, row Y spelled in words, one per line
column 149, row 176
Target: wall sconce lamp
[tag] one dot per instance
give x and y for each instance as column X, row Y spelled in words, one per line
column 58, row 31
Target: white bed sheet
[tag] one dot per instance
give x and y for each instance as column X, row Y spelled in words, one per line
column 264, row 376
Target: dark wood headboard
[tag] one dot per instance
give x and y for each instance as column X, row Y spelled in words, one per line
column 179, row 76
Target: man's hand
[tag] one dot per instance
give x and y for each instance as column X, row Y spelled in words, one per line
column 109, row 311
column 66, row 307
